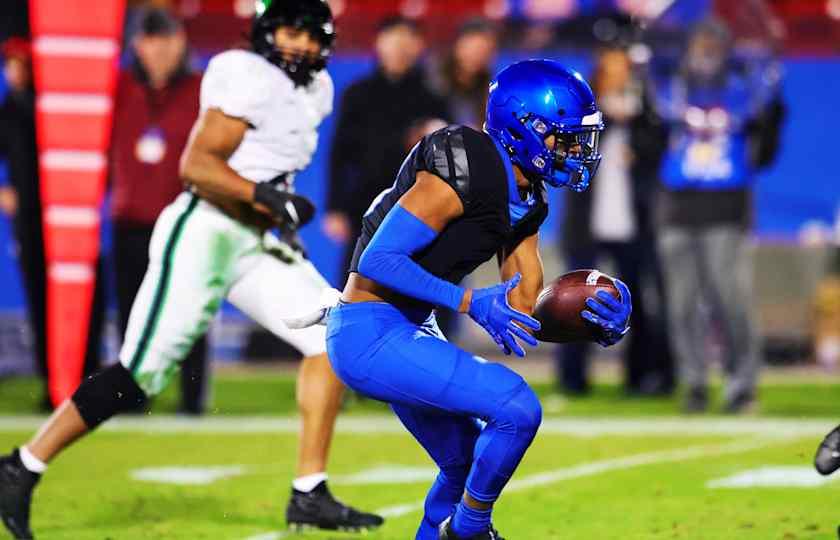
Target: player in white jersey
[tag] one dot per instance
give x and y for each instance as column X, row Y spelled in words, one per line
column 260, row 110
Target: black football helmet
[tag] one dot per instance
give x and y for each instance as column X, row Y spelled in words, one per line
column 313, row 16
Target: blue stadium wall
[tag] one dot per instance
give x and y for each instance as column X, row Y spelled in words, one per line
column 802, row 185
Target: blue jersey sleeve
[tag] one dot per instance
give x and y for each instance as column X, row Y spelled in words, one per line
column 387, row 260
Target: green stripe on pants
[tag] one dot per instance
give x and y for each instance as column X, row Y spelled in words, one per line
column 162, row 286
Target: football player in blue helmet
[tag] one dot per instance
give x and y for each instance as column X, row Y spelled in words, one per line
column 531, row 101
column 461, row 198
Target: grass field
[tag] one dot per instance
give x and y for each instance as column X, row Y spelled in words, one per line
column 604, row 467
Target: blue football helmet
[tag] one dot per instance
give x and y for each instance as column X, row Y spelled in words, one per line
column 531, row 100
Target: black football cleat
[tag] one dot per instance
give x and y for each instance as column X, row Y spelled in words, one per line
column 445, row 532
column 827, row 459
column 320, row 510
column 16, row 485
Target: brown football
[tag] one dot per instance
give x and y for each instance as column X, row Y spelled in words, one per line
column 560, row 303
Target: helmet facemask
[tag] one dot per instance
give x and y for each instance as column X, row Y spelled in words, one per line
column 301, row 68
column 571, row 160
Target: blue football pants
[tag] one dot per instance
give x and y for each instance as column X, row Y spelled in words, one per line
column 475, row 418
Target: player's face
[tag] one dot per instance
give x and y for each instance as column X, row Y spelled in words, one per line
column 566, row 148
column 295, row 43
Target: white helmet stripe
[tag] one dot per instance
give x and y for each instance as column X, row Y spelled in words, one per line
column 593, row 119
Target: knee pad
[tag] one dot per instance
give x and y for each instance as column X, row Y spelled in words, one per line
column 106, row 393
column 522, row 413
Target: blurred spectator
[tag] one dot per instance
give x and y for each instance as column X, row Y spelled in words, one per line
column 156, row 105
column 613, row 219
column 463, row 77
column 374, row 119
column 724, row 120
column 21, row 201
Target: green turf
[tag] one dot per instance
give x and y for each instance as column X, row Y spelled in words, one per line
column 88, row 493
column 273, row 393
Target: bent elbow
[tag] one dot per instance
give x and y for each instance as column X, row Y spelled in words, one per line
column 367, row 266
column 189, row 168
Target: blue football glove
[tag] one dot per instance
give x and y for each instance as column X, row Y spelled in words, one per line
column 491, row 310
column 613, row 316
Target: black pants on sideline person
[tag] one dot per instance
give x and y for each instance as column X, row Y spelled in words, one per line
column 131, row 257
column 33, row 270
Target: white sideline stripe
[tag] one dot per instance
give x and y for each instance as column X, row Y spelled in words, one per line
column 587, row 469
column 55, row 102
column 386, row 424
column 276, row 535
column 55, row 45
column 73, row 160
column 386, row 474
column 188, row 475
column 773, row 476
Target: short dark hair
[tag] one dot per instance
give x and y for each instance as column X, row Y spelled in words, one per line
column 476, row 25
column 393, row 21
column 158, row 22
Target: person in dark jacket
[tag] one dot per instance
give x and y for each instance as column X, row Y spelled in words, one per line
column 376, row 117
column 156, row 105
column 463, row 75
column 21, row 202
column 613, row 219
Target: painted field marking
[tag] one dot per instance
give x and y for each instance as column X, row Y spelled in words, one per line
column 188, row 475
column 387, row 474
column 787, row 476
column 589, row 469
column 202, row 475
column 387, row 424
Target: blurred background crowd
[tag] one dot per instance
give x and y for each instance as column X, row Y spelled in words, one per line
column 717, row 200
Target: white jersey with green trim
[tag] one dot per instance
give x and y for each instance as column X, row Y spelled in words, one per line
column 284, row 119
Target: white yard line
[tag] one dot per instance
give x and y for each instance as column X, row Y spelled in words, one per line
column 589, row 469
column 383, row 424
column 274, row 535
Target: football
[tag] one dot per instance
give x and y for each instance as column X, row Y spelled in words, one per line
column 560, row 303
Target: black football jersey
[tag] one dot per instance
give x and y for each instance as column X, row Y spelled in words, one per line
column 470, row 162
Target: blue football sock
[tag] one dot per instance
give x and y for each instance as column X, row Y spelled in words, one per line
column 469, row 522
column 440, row 503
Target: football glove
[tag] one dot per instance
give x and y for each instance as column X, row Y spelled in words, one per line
column 290, row 211
column 611, row 315
column 490, row 308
